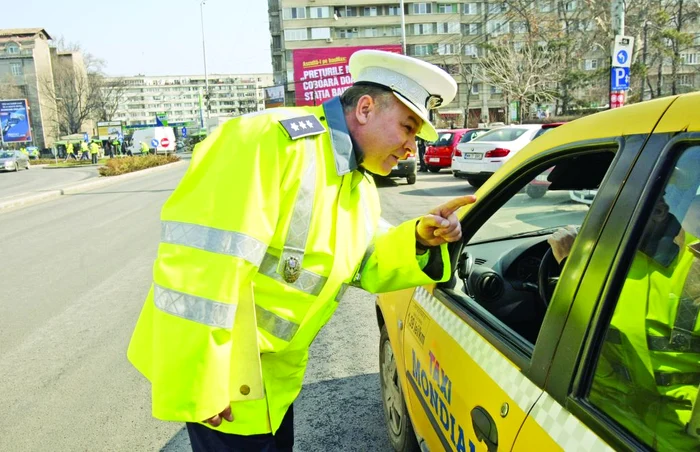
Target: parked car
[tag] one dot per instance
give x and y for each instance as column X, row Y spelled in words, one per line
column 438, row 154
column 481, row 157
column 406, row 167
column 13, row 160
column 516, row 353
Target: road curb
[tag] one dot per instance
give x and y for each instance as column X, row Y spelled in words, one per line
column 25, row 201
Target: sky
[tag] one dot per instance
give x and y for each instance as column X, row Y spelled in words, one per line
column 155, row 37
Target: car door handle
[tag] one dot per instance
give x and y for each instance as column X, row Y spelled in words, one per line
column 485, row 428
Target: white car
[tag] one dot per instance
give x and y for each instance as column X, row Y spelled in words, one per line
column 478, row 159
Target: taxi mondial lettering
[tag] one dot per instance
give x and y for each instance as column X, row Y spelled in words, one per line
column 436, row 389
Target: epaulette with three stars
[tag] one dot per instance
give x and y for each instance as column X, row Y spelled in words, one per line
column 302, row 126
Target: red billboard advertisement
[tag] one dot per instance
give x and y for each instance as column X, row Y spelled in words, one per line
column 322, row 73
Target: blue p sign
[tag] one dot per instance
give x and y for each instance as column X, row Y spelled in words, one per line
column 184, row 132
column 620, row 78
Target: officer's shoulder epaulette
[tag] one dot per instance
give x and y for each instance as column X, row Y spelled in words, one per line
column 302, row 126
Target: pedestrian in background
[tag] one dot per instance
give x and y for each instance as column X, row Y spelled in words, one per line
column 94, row 150
column 242, row 288
column 84, row 150
column 117, row 145
column 144, row 148
column 70, row 152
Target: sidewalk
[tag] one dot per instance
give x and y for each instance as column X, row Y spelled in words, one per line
column 28, row 200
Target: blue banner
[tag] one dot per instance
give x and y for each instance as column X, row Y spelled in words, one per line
column 14, row 121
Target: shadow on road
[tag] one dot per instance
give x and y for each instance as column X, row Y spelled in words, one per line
column 341, row 414
column 120, row 192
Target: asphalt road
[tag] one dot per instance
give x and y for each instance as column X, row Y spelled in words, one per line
column 75, row 272
column 38, row 180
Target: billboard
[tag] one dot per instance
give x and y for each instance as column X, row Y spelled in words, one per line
column 162, row 119
column 322, row 73
column 14, row 121
column 109, row 130
column 274, row 96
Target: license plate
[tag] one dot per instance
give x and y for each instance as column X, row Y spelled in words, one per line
column 434, row 160
column 473, row 156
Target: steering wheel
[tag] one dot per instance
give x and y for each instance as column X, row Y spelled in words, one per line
column 547, row 277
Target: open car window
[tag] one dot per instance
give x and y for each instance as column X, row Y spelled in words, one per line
column 499, row 272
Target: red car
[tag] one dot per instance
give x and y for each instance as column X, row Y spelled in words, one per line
column 438, row 154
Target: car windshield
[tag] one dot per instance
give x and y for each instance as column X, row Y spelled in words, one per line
column 471, row 135
column 5, row 155
column 502, row 134
column 444, row 139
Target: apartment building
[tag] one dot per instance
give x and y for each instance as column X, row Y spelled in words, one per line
column 26, row 71
column 450, row 34
column 182, row 97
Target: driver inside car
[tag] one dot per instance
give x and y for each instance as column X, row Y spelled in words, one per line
column 648, row 376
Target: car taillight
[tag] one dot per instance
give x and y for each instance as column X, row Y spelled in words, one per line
column 498, row 152
column 457, row 153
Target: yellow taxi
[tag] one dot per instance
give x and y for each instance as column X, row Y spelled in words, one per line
column 525, row 349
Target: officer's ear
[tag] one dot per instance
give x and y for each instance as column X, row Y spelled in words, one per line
column 365, row 107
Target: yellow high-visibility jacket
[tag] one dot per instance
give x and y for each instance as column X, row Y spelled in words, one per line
column 647, row 378
column 230, row 316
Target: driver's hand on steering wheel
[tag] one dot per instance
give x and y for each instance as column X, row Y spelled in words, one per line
column 562, row 241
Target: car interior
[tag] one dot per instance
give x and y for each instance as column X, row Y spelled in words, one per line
column 505, row 274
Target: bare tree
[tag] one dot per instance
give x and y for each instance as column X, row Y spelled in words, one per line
column 108, row 95
column 74, row 97
column 525, row 71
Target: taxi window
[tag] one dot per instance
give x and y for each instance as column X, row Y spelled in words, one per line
column 648, row 367
column 499, row 268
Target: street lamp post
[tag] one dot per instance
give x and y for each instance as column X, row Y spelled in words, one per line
column 204, row 55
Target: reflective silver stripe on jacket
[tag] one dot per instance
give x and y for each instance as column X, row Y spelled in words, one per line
column 341, row 292
column 275, row 325
column 301, row 215
column 213, row 240
column 308, row 282
column 197, row 309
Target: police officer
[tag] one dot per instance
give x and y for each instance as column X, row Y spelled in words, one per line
column 70, row 153
column 144, row 148
column 117, row 146
column 84, row 150
column 94, row 150
column 242, row 288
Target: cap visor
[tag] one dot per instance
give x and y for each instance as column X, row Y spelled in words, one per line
column 427, row 131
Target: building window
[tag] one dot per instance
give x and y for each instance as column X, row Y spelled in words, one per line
column 422, row 8
column 689, row 58
column 475, row 88
column 519, row 28
column 421, row 50
column 545, row 6
column 423, row 29
column 369, row 33
column 12, row 49
column 276, row 43
column 470, row 9
column 351, row 11
column 393, row 11
column 446, row 49
column 591, row 65
column 320, row 33
column 16, row 68
column 495, row 8
column 497, row 27
column 448, row 28
column 296, row 34
column 347, row 33
column 294, row 13
column 470, row 50
column 685, row 79
column 319, row 12
column 570, row 6
column 496, row 89
column 370, row 11
column 447, row 9
column 471, row 29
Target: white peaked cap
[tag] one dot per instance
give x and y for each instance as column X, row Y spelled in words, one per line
column 419, row 85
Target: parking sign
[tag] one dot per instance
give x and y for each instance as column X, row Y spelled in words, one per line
column 620, row 78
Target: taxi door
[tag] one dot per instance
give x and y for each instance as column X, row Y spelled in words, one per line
column 464, row 395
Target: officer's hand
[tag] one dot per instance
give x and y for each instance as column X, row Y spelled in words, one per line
column 562, row 241
column 441, row 225
column 215, row 421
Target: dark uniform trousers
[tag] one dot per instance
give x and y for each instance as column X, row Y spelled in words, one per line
column 204, row 439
